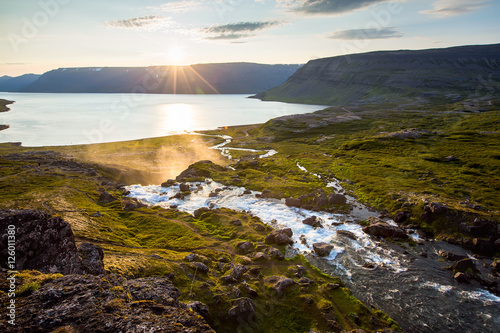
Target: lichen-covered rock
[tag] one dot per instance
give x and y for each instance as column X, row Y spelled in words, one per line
column 242, row 307
column 336, row 199
column 276, row 254
column 92, row 258
column 244, row 247
column 279, row 283
column 238, row 271
column 106, row 197
column 44, row 243
column 104, row 304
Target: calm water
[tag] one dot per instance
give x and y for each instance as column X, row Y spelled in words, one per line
column 67, row 119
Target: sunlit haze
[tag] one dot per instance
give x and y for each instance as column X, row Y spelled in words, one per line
column 40, row 35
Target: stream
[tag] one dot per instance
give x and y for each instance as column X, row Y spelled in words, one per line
column 408, row 283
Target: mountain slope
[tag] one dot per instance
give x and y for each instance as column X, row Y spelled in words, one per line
column 452, row 74
column 10, row 84
column 229, row 78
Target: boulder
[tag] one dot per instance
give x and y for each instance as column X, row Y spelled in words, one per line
column 401, row 216
column 238, row 271
column 197, row 213
column 279, row 283
column 201, row 309
column 92, row 258
column 484, row 247
column 347, row 234
column 276, row 254
column 106, row 197
column 436, row 208
column 313, row 221
column 495, row 266
column 451, row 256
column 168, row 183
column 242, row 307
column 292, row 202
column 260, row 256
column 44, row 243
column 460, row 278
column 483, row 228
column 322, row 249
column 280, row 237
column 464, row 265
column 244, row 247
column 200, row 267
column 336, row 199
column 183, row 187
column 129, row 204
column 320, row 199
column 385, row 230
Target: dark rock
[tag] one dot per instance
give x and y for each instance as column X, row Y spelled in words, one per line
column 483, row 228
column 44, row 243
column 200, row 267
column 236, row 223
column 303, row 239
column 94, row 304
column 322, row 249
column 247, row 192
column 291, row 202
column 451, row 256
column 436, row 208
column 242, row 307
column 385, row 230
column 333, row 286
column 213, row 194
column 464, row 265
column 497, row 244
column 106, row 197
column 369, row 265
column 260, row 256
column 460, row 278
column 299, row 271
column 197, row 213
column 92, row 258
column 320, row 199
column 237, row 271
column 276, row 254
column 347, row 234
column 183, row 187
column 313, row 221
column 266, row 194
column 336, row 199
column 129, row 204
column 190, row 257
column 279, row 283
column 226, row 279
column 249, row 290
column 401, row 216
column 305, row 281
column 244, row 247
column 96, row 214
column 280, row 237
column 259, row 227
column 236, row 292
column 168, row 183
column 495, row 266
column 484, row 247
column 450, row 159
column 201, row 309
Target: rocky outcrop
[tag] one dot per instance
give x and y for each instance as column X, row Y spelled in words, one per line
column 47, row 244
column 280, row 237
column 242, row 308
column 336, row 199
column 385, row 230
column 77, row 303
column 322, row 249
column 313, row 221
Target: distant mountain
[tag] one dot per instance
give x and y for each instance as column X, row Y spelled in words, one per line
column 9, row 84
column 229, row 78
column 450, row 75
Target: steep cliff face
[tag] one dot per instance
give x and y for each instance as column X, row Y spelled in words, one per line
column 451, row 74
column 229, row 78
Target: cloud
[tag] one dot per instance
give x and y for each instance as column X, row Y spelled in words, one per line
column 182, row 6
column 446, row 8
column 311, row 7
column 237, row 30
column 382, row 33
column 134, row 22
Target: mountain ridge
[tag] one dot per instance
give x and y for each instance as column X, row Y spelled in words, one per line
column 450, row 74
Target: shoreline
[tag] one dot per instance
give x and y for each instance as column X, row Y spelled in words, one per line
column 4, row 108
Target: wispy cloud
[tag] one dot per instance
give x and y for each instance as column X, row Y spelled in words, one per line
column 327, row 7
column 351, row 34
column 183, row 6
column 134, row 22
column 237, row 30
column 446, row 8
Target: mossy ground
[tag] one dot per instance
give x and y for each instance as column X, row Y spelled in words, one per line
column 155, row 241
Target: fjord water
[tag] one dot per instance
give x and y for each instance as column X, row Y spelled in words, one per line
column 69, row 119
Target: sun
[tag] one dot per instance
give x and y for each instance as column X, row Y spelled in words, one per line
column 176, row 55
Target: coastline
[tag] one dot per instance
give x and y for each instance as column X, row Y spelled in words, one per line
column 4, row 108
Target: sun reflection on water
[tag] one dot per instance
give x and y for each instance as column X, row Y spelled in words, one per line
column 176, row 118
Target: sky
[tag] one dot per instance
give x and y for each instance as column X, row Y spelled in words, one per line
column 40, row 35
